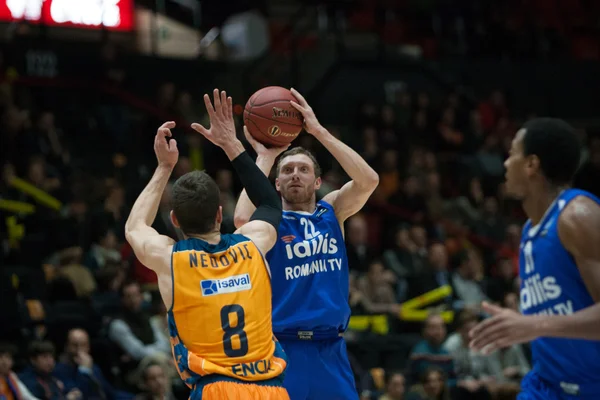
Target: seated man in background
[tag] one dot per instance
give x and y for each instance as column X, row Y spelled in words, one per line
column 38, row 377
column 76, row 369
column 155, row 383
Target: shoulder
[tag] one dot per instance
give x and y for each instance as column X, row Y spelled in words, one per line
column 329, row 199
column 579, row 221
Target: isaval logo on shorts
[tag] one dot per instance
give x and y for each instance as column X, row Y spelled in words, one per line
column 236, row 283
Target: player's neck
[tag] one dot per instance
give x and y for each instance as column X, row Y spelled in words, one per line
column 212, row 237
column 536, row 206
column 308, row 207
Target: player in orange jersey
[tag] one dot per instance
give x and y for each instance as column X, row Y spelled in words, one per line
column 216, row 287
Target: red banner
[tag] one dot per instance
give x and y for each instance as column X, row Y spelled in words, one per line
column 91, row 14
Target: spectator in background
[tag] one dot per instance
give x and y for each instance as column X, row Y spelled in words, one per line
column 38, row 376
column 389, row 175
column 434, row 275
column 429, row 352
column 376, row 287
column 402, row 259
column 76, row 370
column 432, row 386
column 410, row 198
column 359, row 253
column 504, row 281
column 69, row 266
column 155, row 384
column 467, row 289
column 11, row 386
column 490, row 224
column 103, row 251
column 133, row 331
column 395, row 387
column 474, row 371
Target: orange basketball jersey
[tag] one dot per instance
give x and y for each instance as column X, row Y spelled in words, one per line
column 220, row 321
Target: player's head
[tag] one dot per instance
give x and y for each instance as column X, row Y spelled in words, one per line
column 544, row 149
column 298, row 176
column 196, row 204
column 434, row 330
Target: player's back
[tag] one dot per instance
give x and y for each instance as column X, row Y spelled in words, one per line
column 310, row 273
column 220, row 322
column 551, row 284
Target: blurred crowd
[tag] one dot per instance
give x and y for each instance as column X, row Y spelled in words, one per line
column 82, row 317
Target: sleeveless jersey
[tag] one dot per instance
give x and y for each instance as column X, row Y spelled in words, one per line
column 552, row 285
column 220, row 321
column 309, row 273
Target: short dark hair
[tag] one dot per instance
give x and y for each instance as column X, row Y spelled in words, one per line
column 556, row 145
column 300, row 150
column 7, row 348
column 40, row 347
column 196, row 199
column 126, row 284
column 466, row 317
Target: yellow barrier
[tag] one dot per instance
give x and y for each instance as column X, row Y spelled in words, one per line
column 428, row 298
column 38, row 194
column 17, row 206
column 375, row 323
column 421, row 315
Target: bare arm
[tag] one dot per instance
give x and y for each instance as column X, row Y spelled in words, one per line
column 364, row 180
column 262, row 229
column 264, row 161
column 151, row 248
column 579, row 231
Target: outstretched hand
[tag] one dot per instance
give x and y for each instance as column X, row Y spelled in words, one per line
column 503, row 329
column 269, row 153
column 311, row 123
column 222, row 126
column 165, row 149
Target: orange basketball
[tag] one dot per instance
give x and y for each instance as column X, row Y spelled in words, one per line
column 270, row 118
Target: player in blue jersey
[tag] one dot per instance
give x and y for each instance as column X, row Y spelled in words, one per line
column 309, row 266
column 559, row 268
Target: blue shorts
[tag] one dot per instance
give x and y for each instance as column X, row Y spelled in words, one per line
column 318, row 369
column 534, row 387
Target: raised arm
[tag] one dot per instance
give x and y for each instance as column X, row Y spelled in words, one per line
column 264, row 161
column 579, row 232
column 364, row 180
column 151, row 248
column 264, row 222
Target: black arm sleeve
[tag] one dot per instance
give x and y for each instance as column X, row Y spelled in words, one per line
column 260, row 191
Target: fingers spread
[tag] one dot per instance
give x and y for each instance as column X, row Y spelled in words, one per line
column 209, row 107
column 217, row 100
column 300, row 98
column 168, row 125
column 297, row 106
column 200, row 129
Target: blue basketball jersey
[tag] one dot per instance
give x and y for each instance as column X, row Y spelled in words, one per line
column 552, row 285
column 309, row 273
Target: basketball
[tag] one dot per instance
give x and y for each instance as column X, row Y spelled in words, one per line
column 270, row 118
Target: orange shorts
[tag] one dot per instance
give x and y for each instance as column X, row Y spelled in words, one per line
column 219, row 387
column 242, row 391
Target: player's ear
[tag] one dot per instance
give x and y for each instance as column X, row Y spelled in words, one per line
column 532, row 163
column 174, row 219
column 277, row 187
column 318, row 183
column 219, row 219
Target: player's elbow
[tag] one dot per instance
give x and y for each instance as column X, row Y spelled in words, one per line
column 371, row 180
